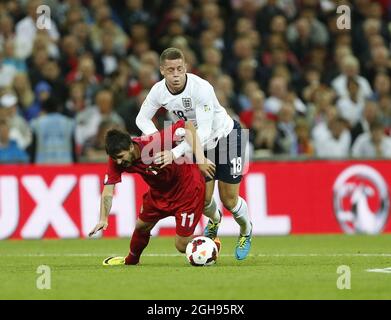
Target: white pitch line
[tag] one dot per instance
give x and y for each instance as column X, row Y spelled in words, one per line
column 276, row 255
column 384, row 270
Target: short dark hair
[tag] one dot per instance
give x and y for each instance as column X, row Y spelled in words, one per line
column 171, row 54
column 117, row 141
column 51, row 105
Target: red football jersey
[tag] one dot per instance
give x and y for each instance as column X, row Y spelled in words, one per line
column 170, row 186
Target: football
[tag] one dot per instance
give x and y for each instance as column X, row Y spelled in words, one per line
column 201, row 251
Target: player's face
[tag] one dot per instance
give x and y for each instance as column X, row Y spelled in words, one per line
column 126, row 158
column 174, row 71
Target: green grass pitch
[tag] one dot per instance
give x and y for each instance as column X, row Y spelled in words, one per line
column 291, row 267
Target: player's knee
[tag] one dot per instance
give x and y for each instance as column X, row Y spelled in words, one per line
column 144, row 226
column 229, row 202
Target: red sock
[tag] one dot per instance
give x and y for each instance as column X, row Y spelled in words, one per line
column 138, row 243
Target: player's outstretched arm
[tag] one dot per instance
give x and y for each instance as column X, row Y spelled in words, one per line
column 105, row 207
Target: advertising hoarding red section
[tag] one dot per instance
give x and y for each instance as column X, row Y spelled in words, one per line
column 283, row 198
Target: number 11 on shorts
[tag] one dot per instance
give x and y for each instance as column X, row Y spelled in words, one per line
column 184, row 218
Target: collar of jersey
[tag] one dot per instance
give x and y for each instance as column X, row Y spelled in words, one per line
column 179, row 92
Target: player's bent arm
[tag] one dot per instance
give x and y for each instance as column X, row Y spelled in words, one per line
column 193, row 140
column 206, row 167
column 144, row 118
column 105, row 207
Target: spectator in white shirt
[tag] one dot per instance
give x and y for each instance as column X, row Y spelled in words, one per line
column 336, row 144
column 279, row 94
column 350, row 68
column 350, row 107
column 26, row 31
column 373, row 144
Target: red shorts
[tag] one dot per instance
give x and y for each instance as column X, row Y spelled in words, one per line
column 187, row 213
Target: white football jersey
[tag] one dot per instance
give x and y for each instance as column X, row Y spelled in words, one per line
column 197, row 102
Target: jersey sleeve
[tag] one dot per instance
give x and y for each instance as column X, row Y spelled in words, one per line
column 147, row 111
column 113, row 173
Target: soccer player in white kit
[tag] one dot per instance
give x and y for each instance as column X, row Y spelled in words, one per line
column 188, row 97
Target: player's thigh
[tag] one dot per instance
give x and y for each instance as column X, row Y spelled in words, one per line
column 149, row 214
column 181, row 242
column 145, row 226
column 189, row 214
column 231, row 156
column 229, row 194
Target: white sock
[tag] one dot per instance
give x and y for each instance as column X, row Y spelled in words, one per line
column 240, row 214
column 211, row 211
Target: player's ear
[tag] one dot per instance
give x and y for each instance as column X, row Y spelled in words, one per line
column 161, row 71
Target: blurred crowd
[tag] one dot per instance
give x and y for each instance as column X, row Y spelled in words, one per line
column 283, row 68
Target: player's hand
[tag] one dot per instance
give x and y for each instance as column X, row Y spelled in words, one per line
column 208, row 169
column 101, row 225
column 164, row 158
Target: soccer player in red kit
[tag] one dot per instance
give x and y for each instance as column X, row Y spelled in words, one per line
column 175, row 190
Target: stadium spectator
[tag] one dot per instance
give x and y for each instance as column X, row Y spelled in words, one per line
column 7, row 72
column 319, row 107
column 286, row 134
column 372, row 144
column 350, row 107
column 7, row 29
column 51, row 73
column 279, row 94
column 335, row 144
column 318, row 33
column 42, row 92
column 94, row 148
column 19, row 128
column 382, row 85
column 70, row 50
column 86, row 73
column 9, row 57
column 26, row 32
column 263, row 136
column 76, row 101
column 53, row 136
column 22, row 88
column 350, row 69
column 10, row 152
column 385, row 111
column 103, row 24
column 87, row 121
column 380, row 63
column 371, row 114
column 256, row 101
column 303, row 134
